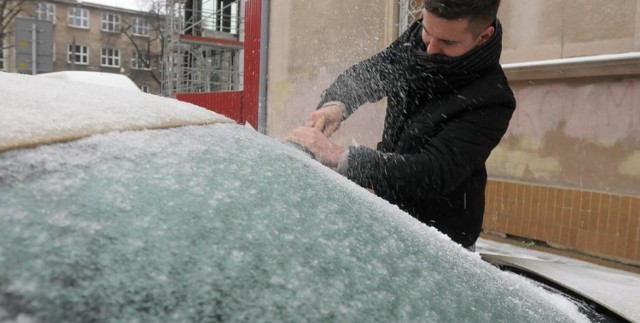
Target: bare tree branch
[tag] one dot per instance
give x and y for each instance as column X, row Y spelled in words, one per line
column 145, row 51
column 8, row 12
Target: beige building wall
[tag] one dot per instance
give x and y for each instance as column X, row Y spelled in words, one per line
column 551, row 29
column 568, row 170
column 580, row 133
column 577, row 124
column 311, row 42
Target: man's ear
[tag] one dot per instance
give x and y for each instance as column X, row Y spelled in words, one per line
column 486, row 34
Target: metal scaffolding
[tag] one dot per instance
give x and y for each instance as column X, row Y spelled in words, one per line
column 203, row 49
column 409, row 13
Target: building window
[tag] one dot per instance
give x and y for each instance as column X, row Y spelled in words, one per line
column 78, row 54
column 110, row 57
column 144, row 88
column 220, row 16
column 139, row 61
column 45, row 11
column 140, row 27
column 1, row 57
column 110, row 22
column 79, row 17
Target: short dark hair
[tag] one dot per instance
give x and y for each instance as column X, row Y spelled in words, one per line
column 481, row 13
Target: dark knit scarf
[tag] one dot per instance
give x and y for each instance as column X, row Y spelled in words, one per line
column 448, row 73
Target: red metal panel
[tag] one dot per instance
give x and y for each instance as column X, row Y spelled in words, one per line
column 239, row 106
column 226, row 103
column 252, row 48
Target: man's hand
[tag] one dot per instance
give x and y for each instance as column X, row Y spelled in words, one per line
column 318, row 144
column 327, row 120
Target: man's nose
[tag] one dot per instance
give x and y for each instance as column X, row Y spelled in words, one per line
column 434, row 48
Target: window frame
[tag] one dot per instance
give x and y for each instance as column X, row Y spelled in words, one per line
column 115, row 25
column 48, row 14
column 135, row 61
column 140, row 27
column 107, row 54
column 72, row 17
column 144, row 88
column 84, row 54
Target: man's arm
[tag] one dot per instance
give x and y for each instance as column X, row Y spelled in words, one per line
column 443, row 162
column 327, row 118
column 323, row 149
column 367, row 81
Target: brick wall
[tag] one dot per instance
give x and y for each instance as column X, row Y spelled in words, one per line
column 599, row 224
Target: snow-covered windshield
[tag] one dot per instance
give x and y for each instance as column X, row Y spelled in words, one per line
column 220, row 223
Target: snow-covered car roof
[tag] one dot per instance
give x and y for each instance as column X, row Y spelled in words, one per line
column 98, row 78
column 212, row 222
column 37, row 110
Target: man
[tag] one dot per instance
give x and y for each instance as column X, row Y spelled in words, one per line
column 448, row 105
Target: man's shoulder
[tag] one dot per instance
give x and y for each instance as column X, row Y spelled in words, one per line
column 496, row 72
column 493, row 81
column 491, row 88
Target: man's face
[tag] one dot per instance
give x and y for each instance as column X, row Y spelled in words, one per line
column 450, row 37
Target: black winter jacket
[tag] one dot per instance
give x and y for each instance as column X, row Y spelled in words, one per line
column 444, row 116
